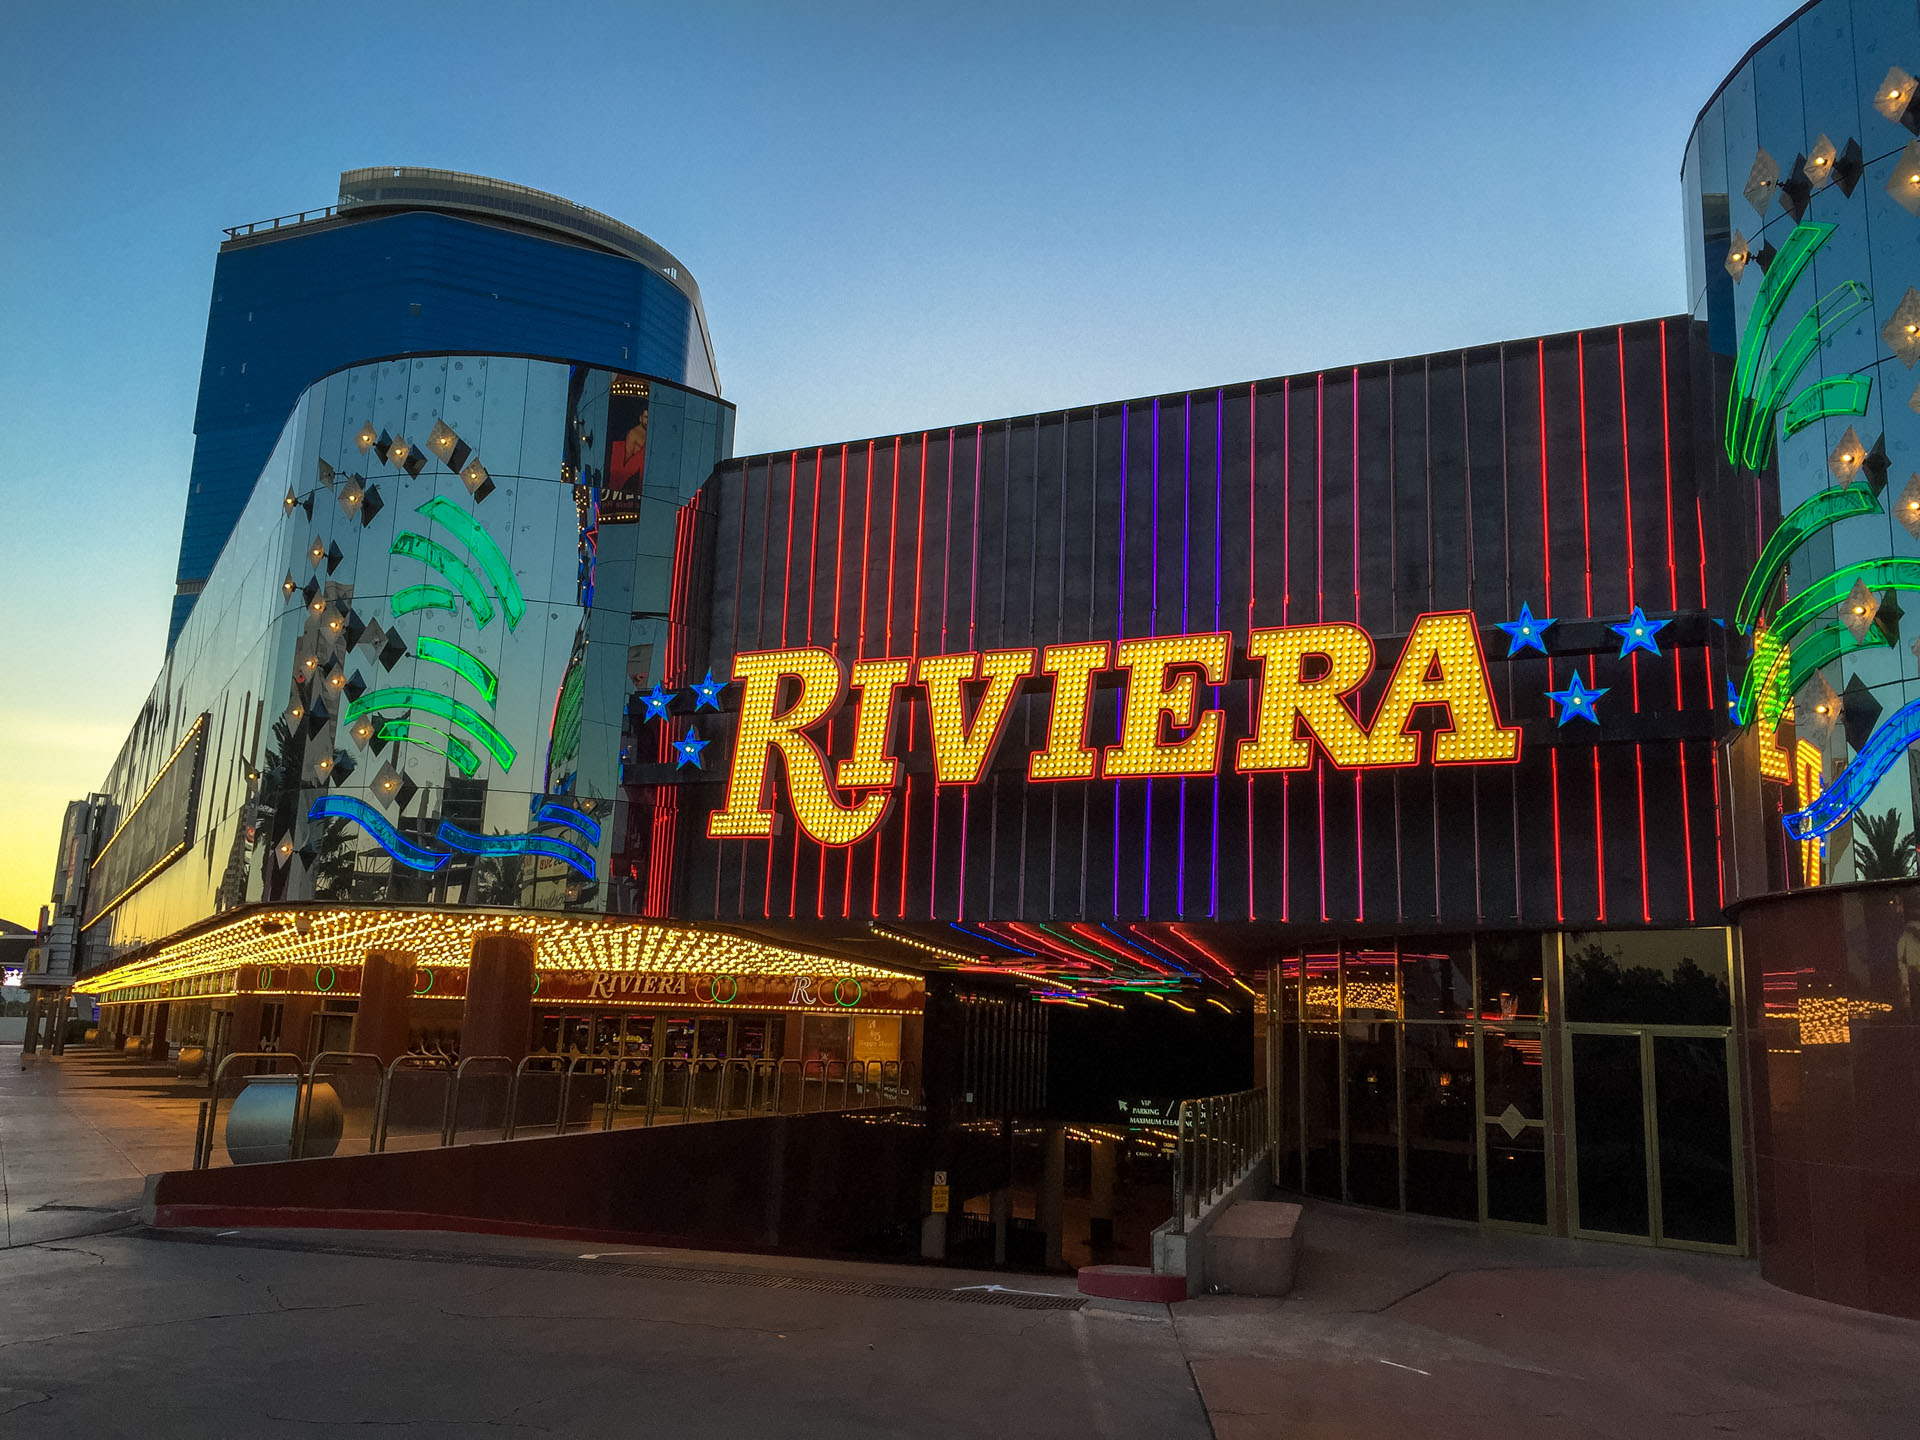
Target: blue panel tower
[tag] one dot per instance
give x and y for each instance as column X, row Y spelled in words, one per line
column 415, row 260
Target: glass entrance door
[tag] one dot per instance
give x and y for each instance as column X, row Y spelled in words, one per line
column 1654, row 1155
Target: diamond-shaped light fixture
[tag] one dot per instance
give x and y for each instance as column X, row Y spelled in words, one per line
column 1738, row 254
column 1887, row 622
column 1894, row 98
column 351, row 494
column 1903, row 181
column 1907, row 508
column 1795, row 190
column 1818, row 168
column 1862, row 712
column 387, row 782
column 1902, row 330
column 370, row 504
column 1816, row 709
column 479, row 484
column 1858, row 610
column 1847, row 457
column 326, row 474
column 448, row 446
column 364, row 441
column 1763, row 182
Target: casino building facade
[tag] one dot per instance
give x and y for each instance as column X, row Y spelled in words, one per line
column 1519, row 736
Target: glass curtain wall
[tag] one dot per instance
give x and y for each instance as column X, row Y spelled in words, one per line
column 1411, row 1074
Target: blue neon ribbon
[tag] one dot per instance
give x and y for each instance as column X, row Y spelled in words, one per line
column 346, row 807
column 554, row 813
column 471, row 844
column 1852, row 786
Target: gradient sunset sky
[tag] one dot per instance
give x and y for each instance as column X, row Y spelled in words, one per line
column 900, row 215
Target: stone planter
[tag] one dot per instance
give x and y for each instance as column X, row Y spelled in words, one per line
column 260, row 1122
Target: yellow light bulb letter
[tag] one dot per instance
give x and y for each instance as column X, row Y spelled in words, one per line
column 961, row 750
column 1442, row 664
column 1287, row 697
column 1068, row 756
column 870, row 764
column 1151, row 696
column 761, row 732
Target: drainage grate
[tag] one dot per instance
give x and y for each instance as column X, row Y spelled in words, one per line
column 756, row 1279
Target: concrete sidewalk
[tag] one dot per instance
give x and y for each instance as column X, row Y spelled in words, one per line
column 1397, row 1327
column 78, row 1136
column 1410, row 1327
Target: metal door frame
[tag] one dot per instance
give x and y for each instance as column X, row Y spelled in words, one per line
column 1544, row 1124
column 1650, row 1124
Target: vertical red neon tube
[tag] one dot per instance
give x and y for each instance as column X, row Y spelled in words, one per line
column 1546, row 556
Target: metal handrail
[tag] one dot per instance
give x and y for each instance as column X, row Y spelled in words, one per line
column 296, row 217
column 203, row 1146
column 411, row 1060
column 304, row 1100
column 513, row 1088
column 760, row 1084
column 1218, row 1139
column 450, row 1124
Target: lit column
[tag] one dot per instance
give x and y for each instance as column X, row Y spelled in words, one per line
column 499, row 1009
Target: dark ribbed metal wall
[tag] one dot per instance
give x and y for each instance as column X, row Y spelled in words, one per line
column 1557, row 472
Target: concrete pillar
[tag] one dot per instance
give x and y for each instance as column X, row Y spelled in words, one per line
column 296, row 1024
column 1000, row 1208
column 1052, row 1199
column 1106, row 1154
column 383, row 1023
column 157, row 1031
column 243, row 1030
column 57, row 1031
column 30, row 1041
column 499, row 1009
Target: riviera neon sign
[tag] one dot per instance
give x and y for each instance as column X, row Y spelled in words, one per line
column 1305, row 677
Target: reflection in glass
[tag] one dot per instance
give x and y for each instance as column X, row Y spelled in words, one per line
column 1320, row 1098
column 1657, row 977
column 1441, row 1115
column 1610, row 1134
column 1373, row 1115
column 1512, row 983
column 1436, row 977
column 1694, row 1123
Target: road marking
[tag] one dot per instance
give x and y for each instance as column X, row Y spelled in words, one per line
column 1398, row 1366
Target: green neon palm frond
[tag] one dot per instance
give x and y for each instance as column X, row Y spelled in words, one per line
column 1766, row 673
column 1758, row 407
column 436, row 556
column 1781, row 276
column 1827, row 507
column 422, row 597
column 464, row 663
column 1809, row 657
column 431, row 702
column 464, row 528
column 1891, row 573
column 445, row 743
column 1836, row 395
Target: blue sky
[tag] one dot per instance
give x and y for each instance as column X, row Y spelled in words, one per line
column 900, row 215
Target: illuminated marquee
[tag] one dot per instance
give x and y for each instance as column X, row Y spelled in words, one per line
column 1305, row 679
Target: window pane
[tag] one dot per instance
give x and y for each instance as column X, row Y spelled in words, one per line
column 1656, row 977
column 1511, row 983
column 1442, row 1115
column 1436, row 978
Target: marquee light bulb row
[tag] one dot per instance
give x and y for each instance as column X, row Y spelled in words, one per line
column 1305, row 683
column 343, row 935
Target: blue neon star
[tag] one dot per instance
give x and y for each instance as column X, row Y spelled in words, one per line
column 1525, row 633
column 657, row 702
column 1636, row 632
column 1577, row 699
column 709, row 691
column 1733, row 701
column 688, row 749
